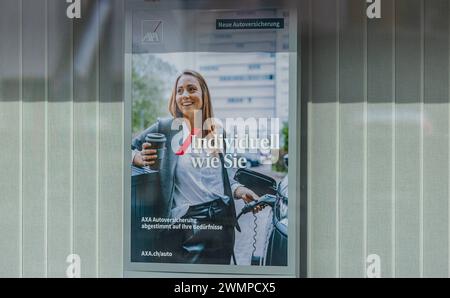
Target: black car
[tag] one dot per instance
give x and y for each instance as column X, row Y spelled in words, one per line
column 276, row 196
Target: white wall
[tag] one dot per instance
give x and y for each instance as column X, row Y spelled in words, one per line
column 378, row 137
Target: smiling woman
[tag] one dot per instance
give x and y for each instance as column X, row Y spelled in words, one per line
column 201, row 193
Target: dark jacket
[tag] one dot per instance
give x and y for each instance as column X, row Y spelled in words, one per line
column 170, row 159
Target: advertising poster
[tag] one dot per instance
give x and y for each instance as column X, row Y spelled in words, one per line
column 209, row 149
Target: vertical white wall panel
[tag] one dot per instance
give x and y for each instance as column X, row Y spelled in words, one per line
column 323, row 130
column 323, row 190
column 351, row 138
column 85, row 142
column 110, row 146
column 408, row 142
column 111, row 191
column 380, row 206
column 59, row 129
column 34, row 213
column 10, row 203
column 436, row 139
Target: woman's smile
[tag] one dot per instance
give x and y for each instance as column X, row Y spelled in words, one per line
column 187, row 103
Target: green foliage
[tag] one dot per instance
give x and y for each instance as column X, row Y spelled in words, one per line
column 279, row 166
column 151, row 86
column 285, row 136
column 148, row 101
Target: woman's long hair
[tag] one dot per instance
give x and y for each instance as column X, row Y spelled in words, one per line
column 207, row 111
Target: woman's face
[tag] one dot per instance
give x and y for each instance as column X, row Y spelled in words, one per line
column 189, row 95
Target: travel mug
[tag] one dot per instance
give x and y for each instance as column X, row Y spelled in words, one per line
column 158, row 142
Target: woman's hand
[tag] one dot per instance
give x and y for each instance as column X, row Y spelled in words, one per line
column 145, row 157
column 248, row 196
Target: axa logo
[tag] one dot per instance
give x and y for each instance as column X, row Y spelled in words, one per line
column 152, row 31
